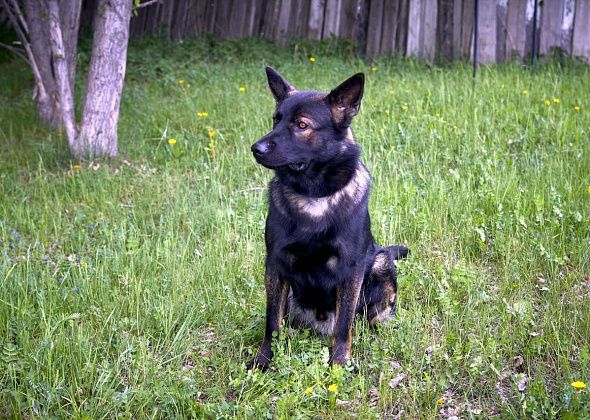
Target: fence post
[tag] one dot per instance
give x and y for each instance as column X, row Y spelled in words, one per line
column 475, row 36
column 534, row 40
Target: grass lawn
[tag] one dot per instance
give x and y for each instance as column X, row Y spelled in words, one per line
column 134, row 288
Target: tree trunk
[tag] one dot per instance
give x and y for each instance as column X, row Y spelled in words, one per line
column 70, row 25
column 65, row 97
column 46, row 92
column 98, row 132
column 39, row 42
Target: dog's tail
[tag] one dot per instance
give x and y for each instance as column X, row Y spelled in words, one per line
column 398, row 251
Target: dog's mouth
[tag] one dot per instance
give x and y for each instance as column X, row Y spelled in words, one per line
column 298, row 166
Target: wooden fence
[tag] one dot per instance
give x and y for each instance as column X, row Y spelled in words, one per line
column 431, row 29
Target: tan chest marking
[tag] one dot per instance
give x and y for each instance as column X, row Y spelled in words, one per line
column 317, row 208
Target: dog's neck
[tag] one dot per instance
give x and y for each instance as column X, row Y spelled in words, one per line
column 323, row 179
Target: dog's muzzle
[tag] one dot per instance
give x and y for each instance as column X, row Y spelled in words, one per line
column 261, row 148
column 262, row 153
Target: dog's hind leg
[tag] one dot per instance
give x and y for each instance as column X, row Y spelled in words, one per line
column 380, row 288
column 347, row 297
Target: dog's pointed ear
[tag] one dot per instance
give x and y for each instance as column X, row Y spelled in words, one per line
column 345, row 100
column 279, row 87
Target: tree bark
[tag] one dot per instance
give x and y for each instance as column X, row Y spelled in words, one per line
column 46, row 93
column 98, row 132
column 69, row 13
column 65, row 96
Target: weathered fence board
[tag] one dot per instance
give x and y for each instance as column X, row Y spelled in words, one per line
column 375, row 27
column 581, row 33
column 332, row 18
column 431, row 29
column 501, row 26
column 567, row 25
column 414, row 27
column 428, row 35
column 467, row 28
column 486, row 39
column 444, row 30
column 515, row 31
column 457, row 26
column 551, row 26
column 389, row 27
column 316, row 19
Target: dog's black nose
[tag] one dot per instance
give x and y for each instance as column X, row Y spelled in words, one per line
column 261, row 148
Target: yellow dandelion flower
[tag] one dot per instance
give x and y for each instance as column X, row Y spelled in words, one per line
column 309, row 390
column 202, row 114
column 333, row 388
column 171, row 141
column 588, row 189
column 373, row 69
column 242, row 89
column 212, row 146
column 405, row 108
column 547, row 102
column 525, row 92
column 312, row 59
column 578, row 384
column 181, row 82
column 556, row 101
column 577, row 108
column 440, row 401
column 76, row 167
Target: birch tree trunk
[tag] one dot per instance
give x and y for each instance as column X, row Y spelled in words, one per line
column 45, row 94
column 65, row 101
column 98, row 132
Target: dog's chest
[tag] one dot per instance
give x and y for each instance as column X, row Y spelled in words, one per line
column 318, row 213
column 313, row 272
column 317, row 256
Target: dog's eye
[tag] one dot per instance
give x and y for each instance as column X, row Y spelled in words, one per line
column 302, row 125
column 275, row 121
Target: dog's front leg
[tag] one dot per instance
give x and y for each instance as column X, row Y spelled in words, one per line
column 347, row 296
column 277, row 291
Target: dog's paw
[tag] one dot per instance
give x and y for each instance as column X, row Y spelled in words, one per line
column 259, row 362
column 348, row 364
column 339, row 359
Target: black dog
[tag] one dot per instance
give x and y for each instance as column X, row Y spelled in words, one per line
column 323, row 266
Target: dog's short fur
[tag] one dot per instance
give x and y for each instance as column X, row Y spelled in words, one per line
column 323, row 266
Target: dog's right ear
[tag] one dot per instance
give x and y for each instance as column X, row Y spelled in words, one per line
column 279, row 87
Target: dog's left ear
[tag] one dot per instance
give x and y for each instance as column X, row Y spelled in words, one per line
column 345, row 100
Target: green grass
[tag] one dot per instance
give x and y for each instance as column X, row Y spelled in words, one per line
column 134, row 287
